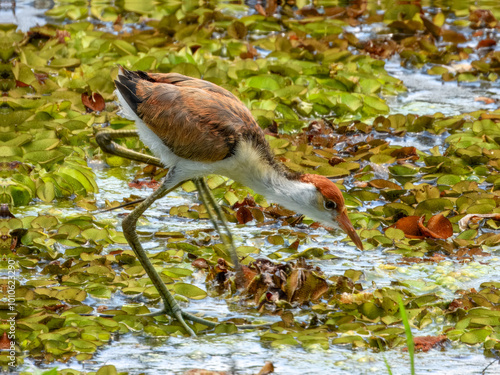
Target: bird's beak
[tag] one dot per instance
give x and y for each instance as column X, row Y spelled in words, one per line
column 347, row 227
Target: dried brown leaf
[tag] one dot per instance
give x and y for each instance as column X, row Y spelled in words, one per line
column 431, row 27
column 426, row 343
column 152, row 184
column 93, row 102
column 308, row 11
column 482, row 18
column 437, row 227
column 248, row 275
column 404, row 152
column 4, row 342
column 267, row 369
column 335, row 160
column 21, row 84
column 453, row 36
column 464, row 222
column 484, row 99
column 244, row 215
column 200, row 263
column 409, row 225
column 383, row 184
column 248, row 201
column 485, row 43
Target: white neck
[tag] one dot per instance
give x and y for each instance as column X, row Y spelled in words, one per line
column 267, row 181
column 247, row 167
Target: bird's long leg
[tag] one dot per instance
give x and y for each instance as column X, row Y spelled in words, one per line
column 129, row 225
column 209, row 201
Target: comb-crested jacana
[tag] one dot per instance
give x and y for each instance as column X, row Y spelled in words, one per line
column 197, row 128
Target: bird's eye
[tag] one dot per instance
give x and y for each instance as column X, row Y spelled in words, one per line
column 330, row 205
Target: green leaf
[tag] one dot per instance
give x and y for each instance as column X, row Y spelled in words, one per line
column 369, row 85
column 225, row 328
column 147, row 63
column 124, row 48
column 189, row 291
column 20, row 195
column 43, row 157
column 72, row 294
column 475, row 336
column 350, row 101
column 449, row 179
column 403, row 170
column 394, row 234
column 264, row 82
column 329, row 171
column 46, row 192
column 382, row 159
column 376, row 105
column 64, row 63
column 84, row 346
column 433, row 206
column 187, row 69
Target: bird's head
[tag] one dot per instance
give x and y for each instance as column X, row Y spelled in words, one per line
column 329, row 207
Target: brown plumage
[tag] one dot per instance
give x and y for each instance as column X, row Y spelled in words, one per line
column 195, row 113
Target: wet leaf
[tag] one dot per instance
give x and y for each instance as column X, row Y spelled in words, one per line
column 382, row 184
column 268, row 368
column 464, row 222
column 64, row 63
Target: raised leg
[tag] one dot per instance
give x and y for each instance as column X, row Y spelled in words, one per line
column 105, row 138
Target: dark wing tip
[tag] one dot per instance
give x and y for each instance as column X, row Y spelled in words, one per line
column 127, row 90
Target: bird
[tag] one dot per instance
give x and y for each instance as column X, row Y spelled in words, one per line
column 197, row 128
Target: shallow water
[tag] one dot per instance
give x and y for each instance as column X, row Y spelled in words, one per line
column 428, row 95
column 244, row 353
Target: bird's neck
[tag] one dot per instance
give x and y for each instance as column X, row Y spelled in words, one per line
column 272, row 181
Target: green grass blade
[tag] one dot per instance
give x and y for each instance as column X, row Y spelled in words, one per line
column 409, row 337
column 389, row 371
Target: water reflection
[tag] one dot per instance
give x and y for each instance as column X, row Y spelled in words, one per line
column 25, row 14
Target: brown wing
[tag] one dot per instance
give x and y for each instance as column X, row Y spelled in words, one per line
column 196, row 119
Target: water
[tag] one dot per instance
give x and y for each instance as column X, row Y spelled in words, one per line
column 245, row 353
column 25, row 14
column 428, row 95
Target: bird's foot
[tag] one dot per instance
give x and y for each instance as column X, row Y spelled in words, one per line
column 182, row 317
column 163, row 311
